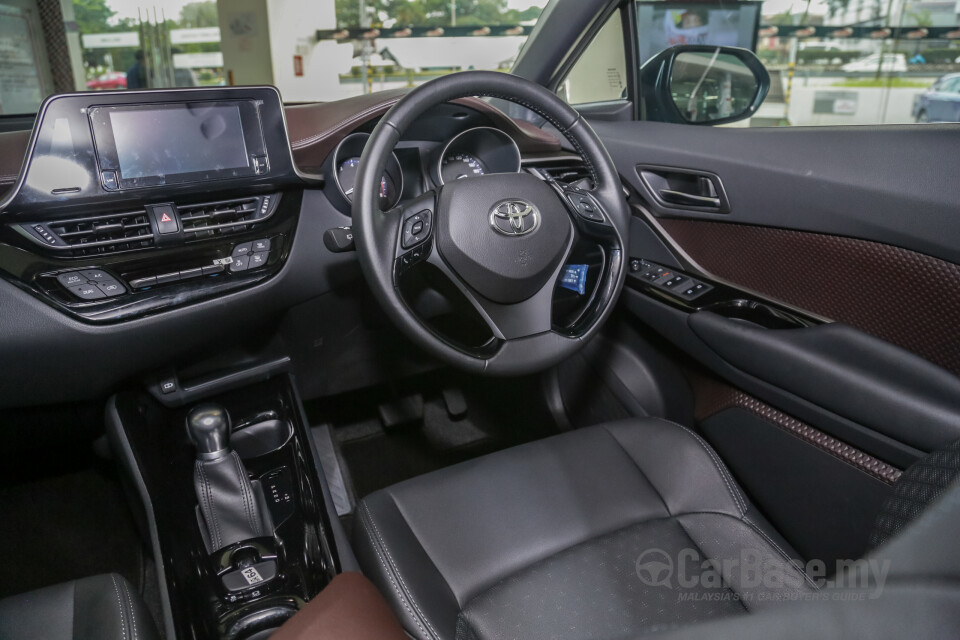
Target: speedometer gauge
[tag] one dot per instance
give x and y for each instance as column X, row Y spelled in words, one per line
column 476, row 152
column 341, row 173
column 458, row 166
column 347, row 175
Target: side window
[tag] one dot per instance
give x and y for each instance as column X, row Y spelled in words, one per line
column 600, row 74
column 839, row 62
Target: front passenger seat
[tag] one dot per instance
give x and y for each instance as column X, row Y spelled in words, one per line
column 575, row 536
column 103, row 607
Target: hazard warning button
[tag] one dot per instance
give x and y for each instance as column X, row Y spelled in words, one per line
column 166, row 218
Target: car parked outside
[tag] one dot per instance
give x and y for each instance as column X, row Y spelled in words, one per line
column 892, row 63
column 941, row 102
column 109, row 80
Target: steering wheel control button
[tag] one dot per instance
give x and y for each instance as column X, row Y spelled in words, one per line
column 87, row 292
column 258, row 259
column 260, row 245
column 416, row 228
column 410, row 258
column 166, row 218
column 71, row 279
column 110, row 288
column 242, row 250
column 586, row 207
column 239, row 264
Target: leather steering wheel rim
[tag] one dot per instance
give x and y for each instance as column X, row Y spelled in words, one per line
column 377, row 233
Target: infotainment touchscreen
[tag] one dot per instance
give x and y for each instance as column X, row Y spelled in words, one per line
column 185, row 139
column 170, row 143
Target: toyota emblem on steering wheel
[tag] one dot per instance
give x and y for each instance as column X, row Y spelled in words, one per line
column 514, row 217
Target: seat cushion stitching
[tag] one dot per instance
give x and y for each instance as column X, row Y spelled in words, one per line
column 123, row 619
column 704, row 555
column 364, row 519
column 395, row 570
column 639, row 468
column 783, row 554
column 133, row 615
column 735, row 494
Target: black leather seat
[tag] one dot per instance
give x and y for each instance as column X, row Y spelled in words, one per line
column 105, row 607
column 573, row 537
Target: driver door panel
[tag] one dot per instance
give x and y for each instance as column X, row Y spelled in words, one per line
column 852, row 229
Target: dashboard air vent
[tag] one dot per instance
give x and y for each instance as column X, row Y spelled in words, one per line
column 91, row 235
column 223, row 217
column 572, row 171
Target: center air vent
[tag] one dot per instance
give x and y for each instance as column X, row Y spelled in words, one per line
column 93, row 235
column 223, row 217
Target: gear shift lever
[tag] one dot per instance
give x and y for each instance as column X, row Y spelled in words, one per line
column 209, row 429
column 231, row 507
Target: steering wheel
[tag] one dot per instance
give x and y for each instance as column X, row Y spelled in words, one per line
column 503, row 240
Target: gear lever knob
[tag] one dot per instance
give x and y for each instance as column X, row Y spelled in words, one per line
column 208, row 425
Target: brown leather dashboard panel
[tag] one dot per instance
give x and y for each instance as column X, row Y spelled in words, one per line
column 906, row 298
column 315, row 129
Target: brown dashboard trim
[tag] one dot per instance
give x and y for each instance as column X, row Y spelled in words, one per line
column 13, row 147
column 907, row 298
column 315, row 129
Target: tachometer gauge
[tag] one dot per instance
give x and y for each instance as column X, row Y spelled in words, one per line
column 458, row 166
column 347, row 176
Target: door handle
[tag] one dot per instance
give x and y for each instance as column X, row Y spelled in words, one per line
column 689, row 199
column 688, row 189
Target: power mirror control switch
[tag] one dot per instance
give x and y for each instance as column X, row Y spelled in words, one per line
column 166, row 218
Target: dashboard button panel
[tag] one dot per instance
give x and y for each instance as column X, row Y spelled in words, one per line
column 258, row 259
column 87, row 292
column 240, row 263
column 91, row 284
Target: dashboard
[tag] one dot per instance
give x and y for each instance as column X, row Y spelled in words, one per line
column 195, row 215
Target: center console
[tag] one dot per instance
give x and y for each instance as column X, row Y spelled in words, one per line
column 132, row 203
column 235, row 504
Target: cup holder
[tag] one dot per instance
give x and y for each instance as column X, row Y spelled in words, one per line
column 261, row 438
column 758, row 313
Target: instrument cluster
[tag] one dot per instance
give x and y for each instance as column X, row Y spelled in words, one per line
column 474, row 152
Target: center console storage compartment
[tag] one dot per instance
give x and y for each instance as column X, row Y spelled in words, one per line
column 250, row 585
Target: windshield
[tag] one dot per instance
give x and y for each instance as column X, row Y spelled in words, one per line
column 312, row 50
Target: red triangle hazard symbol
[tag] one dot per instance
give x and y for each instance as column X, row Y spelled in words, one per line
column 166, row 218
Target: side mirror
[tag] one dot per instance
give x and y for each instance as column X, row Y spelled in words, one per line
column 702, row 84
